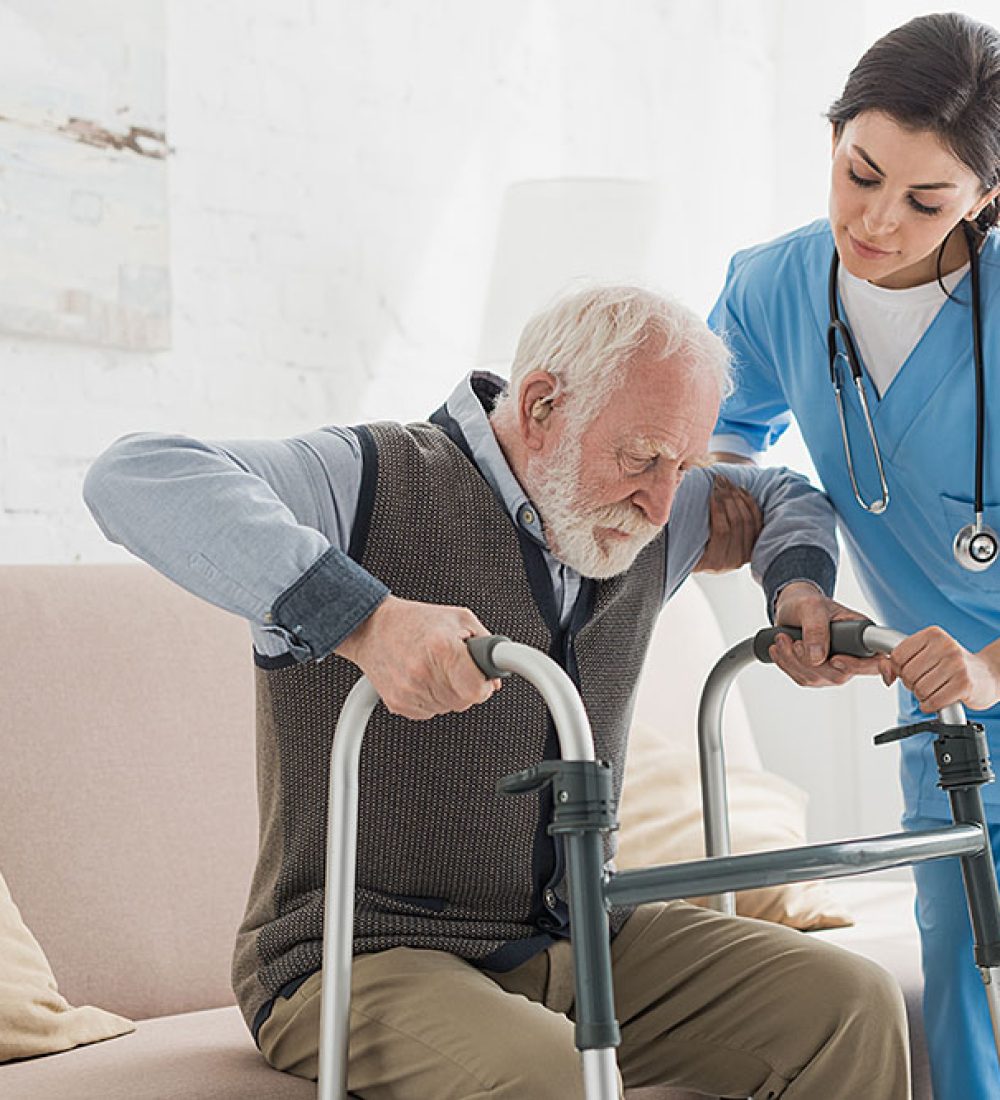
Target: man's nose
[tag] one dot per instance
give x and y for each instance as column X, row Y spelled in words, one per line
column 655, row 499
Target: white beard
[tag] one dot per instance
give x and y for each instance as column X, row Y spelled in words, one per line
column 570, row 526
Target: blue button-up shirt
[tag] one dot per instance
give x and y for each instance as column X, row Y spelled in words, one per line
column 243, row 524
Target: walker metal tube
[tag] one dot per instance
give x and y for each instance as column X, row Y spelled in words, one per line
column 980, row 876
column 341, row 861
column 556, row 688
column 712, row 757
column 774, row 868
column 978, row 868
column 596, row 1026
column 876, row 639
column 600, row 1074
column 595, row 1010
column 991, row 983
column 575, row 742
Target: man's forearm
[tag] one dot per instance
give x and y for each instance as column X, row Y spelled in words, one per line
column 201, row 515
column 798, row 540
column 326, row 605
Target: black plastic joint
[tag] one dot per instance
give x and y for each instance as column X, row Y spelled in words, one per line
column 597, row 1036
column 987, row 954
column 900, row 733
column 582, row 798
column 582, row 793
column 531, row 779
column 963, row 758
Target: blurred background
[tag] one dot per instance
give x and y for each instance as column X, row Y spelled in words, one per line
column 250, row 219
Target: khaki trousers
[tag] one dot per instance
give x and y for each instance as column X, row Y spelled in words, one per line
column 720, row 1005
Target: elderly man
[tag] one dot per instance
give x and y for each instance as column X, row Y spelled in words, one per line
column 539, row 511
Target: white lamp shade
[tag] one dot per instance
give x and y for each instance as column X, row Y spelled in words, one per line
column 555, row 233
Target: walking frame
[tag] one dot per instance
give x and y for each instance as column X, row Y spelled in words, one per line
column 584, row 810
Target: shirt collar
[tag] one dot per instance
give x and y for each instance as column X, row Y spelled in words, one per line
column 469, row 405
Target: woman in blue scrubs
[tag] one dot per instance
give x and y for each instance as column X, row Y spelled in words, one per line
column 914, row 187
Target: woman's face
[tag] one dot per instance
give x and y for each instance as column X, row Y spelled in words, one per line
column 894, row 196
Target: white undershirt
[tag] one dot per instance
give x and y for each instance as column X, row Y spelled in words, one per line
column 888, row 324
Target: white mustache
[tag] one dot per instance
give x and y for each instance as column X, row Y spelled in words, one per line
column 623, row 517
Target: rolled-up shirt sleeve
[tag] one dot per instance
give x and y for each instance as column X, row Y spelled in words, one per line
column 258, row 528
column 798, row 540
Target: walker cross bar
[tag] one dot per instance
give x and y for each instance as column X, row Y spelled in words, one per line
column 584, row 811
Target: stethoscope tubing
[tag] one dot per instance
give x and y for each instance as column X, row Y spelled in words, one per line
column 976, row 546
column 977, row 357
column 838, row 327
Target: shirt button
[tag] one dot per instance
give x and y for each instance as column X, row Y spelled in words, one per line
column 528, row 516
column 551, row 900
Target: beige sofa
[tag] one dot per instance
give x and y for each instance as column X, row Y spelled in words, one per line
column 128, row 828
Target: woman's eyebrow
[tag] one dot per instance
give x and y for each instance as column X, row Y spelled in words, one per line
column 913, row 186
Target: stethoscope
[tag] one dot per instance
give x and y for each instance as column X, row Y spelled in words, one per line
column 976, row 546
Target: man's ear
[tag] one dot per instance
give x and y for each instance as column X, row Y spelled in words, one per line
column 534, row 408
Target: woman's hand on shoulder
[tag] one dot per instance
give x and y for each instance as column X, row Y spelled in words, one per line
column 734, row 522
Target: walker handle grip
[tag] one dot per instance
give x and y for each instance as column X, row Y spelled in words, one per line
column 846, row 638
column 481, row 651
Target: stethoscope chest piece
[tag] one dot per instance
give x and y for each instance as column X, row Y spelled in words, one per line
column 976, row 547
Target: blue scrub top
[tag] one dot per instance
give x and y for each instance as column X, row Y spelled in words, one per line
column 773, row 314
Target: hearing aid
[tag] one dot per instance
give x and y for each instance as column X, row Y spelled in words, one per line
column 541, row 408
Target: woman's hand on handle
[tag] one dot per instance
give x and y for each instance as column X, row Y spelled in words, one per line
column 807, row 661
column 416, row 657
column 940, row 671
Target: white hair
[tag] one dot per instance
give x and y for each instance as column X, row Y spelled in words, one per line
column 587, row 339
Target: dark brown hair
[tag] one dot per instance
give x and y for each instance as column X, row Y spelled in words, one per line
column 938, row 73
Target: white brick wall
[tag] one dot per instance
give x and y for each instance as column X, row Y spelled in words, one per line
column 338, row 172
column 334, row 191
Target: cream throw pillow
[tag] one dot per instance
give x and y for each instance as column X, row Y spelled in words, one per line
column 661, row 822
column 34, row 1017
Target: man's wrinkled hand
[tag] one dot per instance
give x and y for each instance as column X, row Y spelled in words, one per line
column 416, row 657
column 807, row 661
column 735, row 521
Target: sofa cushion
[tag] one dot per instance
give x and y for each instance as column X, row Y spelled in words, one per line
column 34, row 1018
column 209, row 1055
column 194, row 1056
column 661, row 822
column 128, row 818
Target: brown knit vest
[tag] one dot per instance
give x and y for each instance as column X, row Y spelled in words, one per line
column 443, row 861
